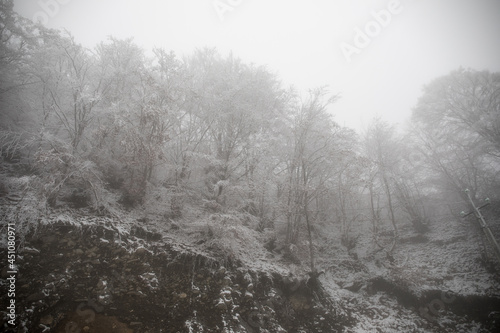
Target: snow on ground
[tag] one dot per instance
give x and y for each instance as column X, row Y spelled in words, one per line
column 450, row 260
column 447, row 258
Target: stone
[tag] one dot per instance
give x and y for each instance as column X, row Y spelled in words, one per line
column 5, row 273
column 135, row 323
column 141, row 251
column 31, row 251
column 226, row 281
column 48, row 239
column 101, row 285
column 35, row 297
column 47, row 320
column 221, row 306
column 353, row 286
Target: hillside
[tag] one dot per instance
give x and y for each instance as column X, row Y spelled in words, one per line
column 213, row 272
column 152, row 190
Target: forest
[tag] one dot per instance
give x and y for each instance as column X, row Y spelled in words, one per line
column 218, row 157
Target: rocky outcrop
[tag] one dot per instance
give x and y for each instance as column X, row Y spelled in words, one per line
column 94, row 279
column 430, row 304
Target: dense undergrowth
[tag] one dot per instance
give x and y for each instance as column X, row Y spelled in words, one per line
column 361, row 284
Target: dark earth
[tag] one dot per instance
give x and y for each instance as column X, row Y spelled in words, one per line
column 92, row 279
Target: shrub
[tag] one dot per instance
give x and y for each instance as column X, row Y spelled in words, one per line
column 65, row 176
column 132, row 195
column 25, row 209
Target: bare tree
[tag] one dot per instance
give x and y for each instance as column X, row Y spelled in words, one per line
column 381, row 150
column 313, row 146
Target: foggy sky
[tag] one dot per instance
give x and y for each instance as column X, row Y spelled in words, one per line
column 302, row 40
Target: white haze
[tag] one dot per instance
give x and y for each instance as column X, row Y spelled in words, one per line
column 301, row 41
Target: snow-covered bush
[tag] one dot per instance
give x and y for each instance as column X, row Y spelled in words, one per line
column 69, row 178
column 230, row 238
column 22, row 207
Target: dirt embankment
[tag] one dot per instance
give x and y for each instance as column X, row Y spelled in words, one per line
column 430, row 304
column 94, row 279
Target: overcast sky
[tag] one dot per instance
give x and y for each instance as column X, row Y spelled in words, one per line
column 307, row 43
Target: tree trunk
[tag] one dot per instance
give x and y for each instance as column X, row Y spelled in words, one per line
column 391, row 211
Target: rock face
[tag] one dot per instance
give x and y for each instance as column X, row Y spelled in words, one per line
column 92, row 279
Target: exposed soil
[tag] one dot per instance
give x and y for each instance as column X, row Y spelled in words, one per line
column 93, row 279
column 480, row 308
column 98, row 276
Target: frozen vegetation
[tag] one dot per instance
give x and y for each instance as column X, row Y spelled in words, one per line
column 150, row 193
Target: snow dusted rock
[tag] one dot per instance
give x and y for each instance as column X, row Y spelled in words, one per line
column 226, row 281
column 221, row 305
column 353, row 286
column 97, row 285
column 78, row 251
column 31, row 250
column 141, row 251
column 47, row 320
column 35, row 297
